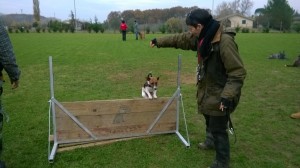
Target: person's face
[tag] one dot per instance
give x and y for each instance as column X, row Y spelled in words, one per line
column 195, row 30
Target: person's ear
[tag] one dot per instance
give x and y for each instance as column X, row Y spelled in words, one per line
column 199, row 26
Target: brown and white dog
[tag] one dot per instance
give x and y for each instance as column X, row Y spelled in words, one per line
column 150, row 87
column 142, row 35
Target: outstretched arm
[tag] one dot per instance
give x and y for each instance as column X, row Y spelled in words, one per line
column 7, row 58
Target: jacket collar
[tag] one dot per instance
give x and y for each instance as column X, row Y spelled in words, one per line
column 217, row 36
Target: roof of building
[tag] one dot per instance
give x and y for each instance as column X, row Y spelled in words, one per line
column 232, row 15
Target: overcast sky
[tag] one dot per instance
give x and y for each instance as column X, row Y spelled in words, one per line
column 88, row 9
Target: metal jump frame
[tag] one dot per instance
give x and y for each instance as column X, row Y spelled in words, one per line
column 53, row 102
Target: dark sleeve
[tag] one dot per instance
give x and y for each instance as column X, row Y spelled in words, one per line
column 234, row 67
column 7, row 55
column 185, row 41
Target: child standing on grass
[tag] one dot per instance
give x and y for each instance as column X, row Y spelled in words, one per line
column 8, row 62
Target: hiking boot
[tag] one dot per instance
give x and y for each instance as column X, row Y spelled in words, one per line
column 296, row 115
column 206, row 146
column 217, row 164
column 208, row 143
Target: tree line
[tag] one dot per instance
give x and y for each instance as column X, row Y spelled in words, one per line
column 277, row 15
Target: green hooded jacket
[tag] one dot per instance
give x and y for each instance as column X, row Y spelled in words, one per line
column 224, row 72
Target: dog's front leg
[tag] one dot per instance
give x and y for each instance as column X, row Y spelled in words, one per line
column 148, row 93
column 144, row 93
column 154, row 94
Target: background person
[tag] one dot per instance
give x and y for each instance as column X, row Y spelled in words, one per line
column 123, row 28
column 220, row 76
column 8, row 63
column 136, row 30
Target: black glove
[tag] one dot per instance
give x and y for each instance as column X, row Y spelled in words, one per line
column 154, row 41
column 227, row 103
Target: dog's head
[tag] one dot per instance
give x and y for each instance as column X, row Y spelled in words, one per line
column 152, row 81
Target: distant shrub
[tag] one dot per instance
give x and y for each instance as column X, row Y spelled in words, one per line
column 296, row 27
column 10, row 30
column 237, row 29
column 38, row 29
column 22, row 29
column 162, row 29
column 147, row 29
column 266, row 30
column 72, row 29
column 245, row 30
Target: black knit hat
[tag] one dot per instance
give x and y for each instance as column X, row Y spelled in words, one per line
column 198, row 16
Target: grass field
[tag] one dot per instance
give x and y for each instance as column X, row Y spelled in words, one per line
column 101, row 66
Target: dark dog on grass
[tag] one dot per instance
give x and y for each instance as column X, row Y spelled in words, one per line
column 280, row 55
column 296, row 63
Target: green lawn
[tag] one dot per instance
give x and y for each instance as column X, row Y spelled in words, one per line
column 101, row 66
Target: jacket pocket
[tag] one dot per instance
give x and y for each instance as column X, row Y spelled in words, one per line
column 212, row 99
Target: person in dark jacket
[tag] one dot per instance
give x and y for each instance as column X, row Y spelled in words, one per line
column 136, row 30
column 8, row 63
column 123, row 28
column 220, row 77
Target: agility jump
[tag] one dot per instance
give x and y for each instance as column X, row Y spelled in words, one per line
column 81, row 122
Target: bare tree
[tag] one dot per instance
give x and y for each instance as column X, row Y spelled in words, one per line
column 114, row 20
column 237, row 6
column 224, row 9
column 245, row 7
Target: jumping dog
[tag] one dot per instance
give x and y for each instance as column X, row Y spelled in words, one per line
column 150, row 87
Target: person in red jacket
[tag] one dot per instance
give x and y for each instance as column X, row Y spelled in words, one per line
column 123, row 28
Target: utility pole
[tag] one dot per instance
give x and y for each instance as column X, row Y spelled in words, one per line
column 212, row 7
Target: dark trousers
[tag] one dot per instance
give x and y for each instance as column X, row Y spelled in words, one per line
column 216, row 131
column 124, row 35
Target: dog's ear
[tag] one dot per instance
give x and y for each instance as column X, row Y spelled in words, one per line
column 147, row 78
column 157, row 78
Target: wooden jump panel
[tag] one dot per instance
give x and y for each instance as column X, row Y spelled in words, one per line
column 114, row 118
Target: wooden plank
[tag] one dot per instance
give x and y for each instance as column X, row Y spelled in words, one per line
column 68, row 147
column 114, row 118
column 100, row 107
